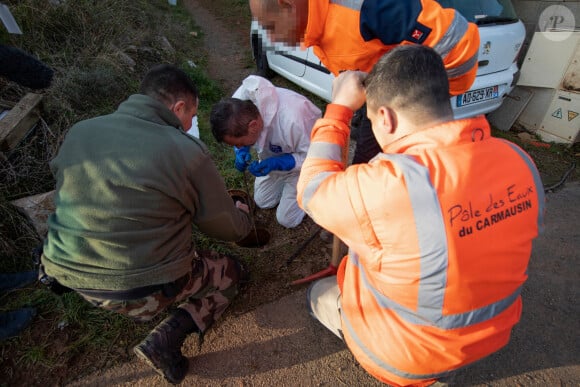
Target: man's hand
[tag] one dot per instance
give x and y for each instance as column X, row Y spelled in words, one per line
column 283, row 162
column 348, row 89
column 243, row 158
column 242, row 206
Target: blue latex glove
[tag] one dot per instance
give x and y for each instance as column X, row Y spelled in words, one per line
column 284, row 162
column 243, row 158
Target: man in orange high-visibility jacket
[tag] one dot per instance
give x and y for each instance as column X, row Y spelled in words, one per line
column 439, row 225
column 354, row 34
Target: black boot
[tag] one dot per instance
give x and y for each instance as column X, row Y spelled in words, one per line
column 161, row 349
column 243, row 272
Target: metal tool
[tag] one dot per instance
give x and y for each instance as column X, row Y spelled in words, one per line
column 8, row 20
column 303, row 246
column 330, row 270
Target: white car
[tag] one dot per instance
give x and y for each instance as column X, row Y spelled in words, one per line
column 501, row 35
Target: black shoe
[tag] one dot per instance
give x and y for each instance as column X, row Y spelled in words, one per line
column 14, row 321
column 161, row 349
column 244, row 273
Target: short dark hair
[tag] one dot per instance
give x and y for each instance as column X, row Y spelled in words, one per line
column 167, row 83
column 410, row 78
column 231, row 116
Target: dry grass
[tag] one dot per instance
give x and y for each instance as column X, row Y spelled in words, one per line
column 99, row 50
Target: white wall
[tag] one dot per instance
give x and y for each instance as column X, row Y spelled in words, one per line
column 530, row 10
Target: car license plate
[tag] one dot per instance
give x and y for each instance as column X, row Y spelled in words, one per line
column 479, row 95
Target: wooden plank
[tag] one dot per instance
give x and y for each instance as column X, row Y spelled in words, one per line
column 19, row 120
column 37, row 208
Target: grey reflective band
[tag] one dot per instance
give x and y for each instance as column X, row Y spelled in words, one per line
column 424, row 316
column 325, row 150
column 381, row 363
column 463, row 68
column 537, row 181
column 311, row 188
column 352, row 4
column 453, row 35
column 431, row 235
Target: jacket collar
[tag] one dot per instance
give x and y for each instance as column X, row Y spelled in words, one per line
column 449, row 133
column 317, row 11
column 149, row 109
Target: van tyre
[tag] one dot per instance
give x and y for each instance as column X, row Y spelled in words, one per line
column 262, row 68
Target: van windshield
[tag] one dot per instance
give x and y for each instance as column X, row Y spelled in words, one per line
column 483, row 12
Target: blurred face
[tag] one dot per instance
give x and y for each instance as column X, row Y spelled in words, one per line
column 255, row 128
column 185, row 111
column 285, row 23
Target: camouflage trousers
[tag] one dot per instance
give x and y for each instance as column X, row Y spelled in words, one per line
column 206, row 294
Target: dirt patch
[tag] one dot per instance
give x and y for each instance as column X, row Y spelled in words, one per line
column 227, row 38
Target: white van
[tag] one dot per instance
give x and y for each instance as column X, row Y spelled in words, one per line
column 501, row 34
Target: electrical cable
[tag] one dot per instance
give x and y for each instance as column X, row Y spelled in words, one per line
column 562, row 180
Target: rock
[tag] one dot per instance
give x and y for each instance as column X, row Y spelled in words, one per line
column 525, row 136
column 165, row 45
column 37, row 208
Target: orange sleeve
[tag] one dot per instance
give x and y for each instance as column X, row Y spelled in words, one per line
column 341, row 271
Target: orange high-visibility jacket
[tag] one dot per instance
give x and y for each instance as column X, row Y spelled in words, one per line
column 354, row 34
column 440, row 232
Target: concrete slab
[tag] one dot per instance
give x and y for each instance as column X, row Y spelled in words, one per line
column 504, row 117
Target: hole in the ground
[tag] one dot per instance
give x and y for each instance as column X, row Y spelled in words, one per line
column 258, row 237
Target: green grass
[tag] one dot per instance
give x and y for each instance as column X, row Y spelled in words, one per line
column 36, row 355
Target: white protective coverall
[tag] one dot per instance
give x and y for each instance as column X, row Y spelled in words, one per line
column 288, row 120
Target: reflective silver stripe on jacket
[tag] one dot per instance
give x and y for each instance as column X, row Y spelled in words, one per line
column 538, row 182
column 352, row 4
column 379, row 362
column 323, row 150
column 463, row 68
column 452, row 36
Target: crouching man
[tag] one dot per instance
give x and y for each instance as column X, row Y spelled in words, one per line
column 439, row 230
column 129, row 188
column 276, row 122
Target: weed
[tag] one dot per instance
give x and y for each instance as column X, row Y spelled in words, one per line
column 35, row 355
